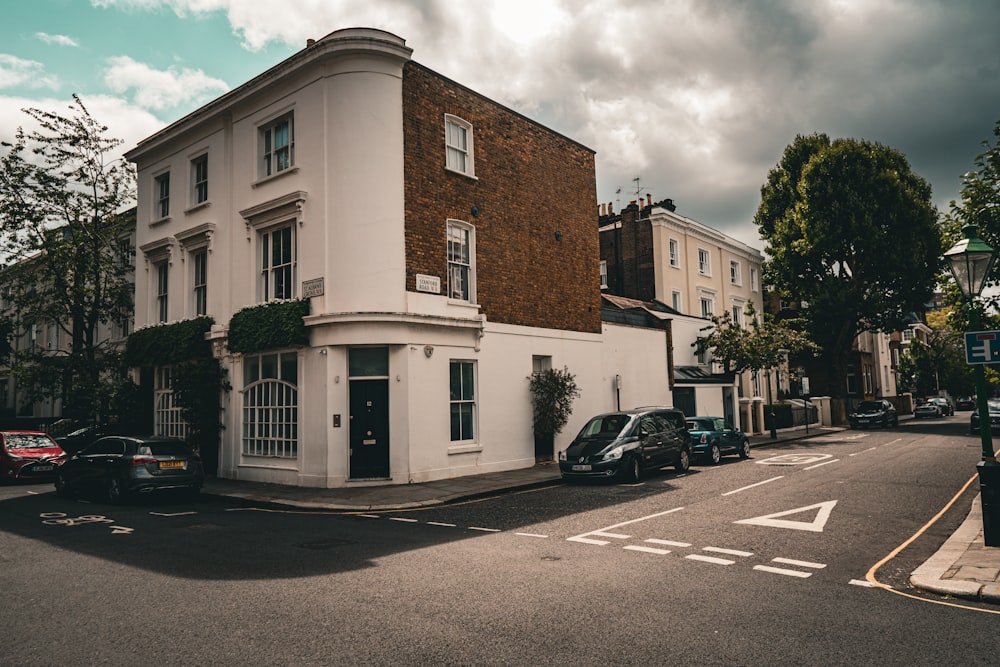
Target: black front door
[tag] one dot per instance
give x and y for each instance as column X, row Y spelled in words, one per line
column 369, row 429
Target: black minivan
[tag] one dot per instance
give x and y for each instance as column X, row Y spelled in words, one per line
column 622, row 444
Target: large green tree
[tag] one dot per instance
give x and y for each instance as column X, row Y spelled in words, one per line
column 979, row 205
column 64, row 238
column 852, row 234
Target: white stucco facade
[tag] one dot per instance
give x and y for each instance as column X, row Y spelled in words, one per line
column 386, row 369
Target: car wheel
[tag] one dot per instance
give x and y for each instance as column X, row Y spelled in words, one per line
column 745, row 449
column 114, row 491
column 683, row 463
column 714, row 455
column 630, row 470
column 62, row 487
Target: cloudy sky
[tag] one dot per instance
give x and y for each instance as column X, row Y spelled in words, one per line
column 695, row 98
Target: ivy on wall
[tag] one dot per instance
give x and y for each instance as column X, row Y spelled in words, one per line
column 167, row 344
column 269, row 326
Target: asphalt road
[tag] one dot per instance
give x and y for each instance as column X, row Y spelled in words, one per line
column 757, row 562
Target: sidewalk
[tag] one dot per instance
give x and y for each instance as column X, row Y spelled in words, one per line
column 962, row 567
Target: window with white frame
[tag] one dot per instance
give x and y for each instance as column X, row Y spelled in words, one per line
column 675, row 301
column 907, row 335
column 707, row 307
column 461, row 261
column 161, row 187
column 162, row 283
column 199, row 179
column 735, row 276
column 604, row 274
column 278, row 256
column 271, row 405
column 704, row 262
column 168, row 418
column 277, row 145
column 458, row 145
column 199, row 282
column 463, row 400
column 738, row 314
column 754, row 280
column 675, row 256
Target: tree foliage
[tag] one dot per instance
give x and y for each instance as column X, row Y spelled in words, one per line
column 63, row 226
column 850, row 231
column 760, row 346
column 980, row 206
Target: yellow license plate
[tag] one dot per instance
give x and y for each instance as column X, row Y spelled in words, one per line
column 171, row 464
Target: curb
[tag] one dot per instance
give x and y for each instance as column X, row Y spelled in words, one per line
column 929, row 576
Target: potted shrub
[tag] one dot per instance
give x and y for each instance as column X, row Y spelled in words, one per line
column 552, row 394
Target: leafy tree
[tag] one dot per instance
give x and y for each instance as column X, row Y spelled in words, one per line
column 979, row 205
column 917, row 371
column 62, row 235
column 850, row 231
column 762, row 345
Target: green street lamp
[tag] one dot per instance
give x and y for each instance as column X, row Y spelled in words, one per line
column 971, row 260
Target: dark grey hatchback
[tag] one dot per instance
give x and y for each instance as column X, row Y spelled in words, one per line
column 117, row 466
column 623, row 444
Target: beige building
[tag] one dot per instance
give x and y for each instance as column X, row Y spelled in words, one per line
column 651, row 252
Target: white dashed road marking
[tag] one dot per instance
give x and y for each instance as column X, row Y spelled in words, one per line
column 781, row 570
column 766, row 481
column 649, row 550
column 800, row 563
column 730, row 552
column 710, row 559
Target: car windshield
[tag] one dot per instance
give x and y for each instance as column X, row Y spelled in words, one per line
column 27, row 440
column 605, row 425
column 869, row 406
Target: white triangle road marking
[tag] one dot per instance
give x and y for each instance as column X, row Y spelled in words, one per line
column 815, row 526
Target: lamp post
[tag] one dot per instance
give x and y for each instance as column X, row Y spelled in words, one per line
column 971, row 260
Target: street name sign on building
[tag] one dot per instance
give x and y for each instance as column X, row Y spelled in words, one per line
column 982, row 347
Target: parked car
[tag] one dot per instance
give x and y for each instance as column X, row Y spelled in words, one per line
column 993, row 405
column 874, row 413
column 623, row 444
column 965, row 403
column 80, row 438
column 927, row 410
column 118, row 466
column 946, row 408
column 28, row 455
column 712, row 437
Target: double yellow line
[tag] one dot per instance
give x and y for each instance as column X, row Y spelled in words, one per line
column 870, row 577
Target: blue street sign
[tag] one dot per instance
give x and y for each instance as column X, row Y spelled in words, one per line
column 982, row 347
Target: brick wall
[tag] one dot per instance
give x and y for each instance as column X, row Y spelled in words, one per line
column 530, row 184
column 628, row 250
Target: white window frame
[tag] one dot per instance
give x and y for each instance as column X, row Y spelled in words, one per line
column 464, row 401
column 754, row 280
column 707, row 306
column 199, row 281
column 459, row 146
column 269, row 272
column 704, row 262
column 168, row 418
column 604, row 274
column 199, row 179
column 738, row 317
column 161, row 196
column 274, row 159
column 162, row 293
column 461, row 266
column 677, row 300
column 673, row 247
column 735, row 272
column 270, row 406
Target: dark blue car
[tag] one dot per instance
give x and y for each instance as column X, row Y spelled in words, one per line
column 712, row 437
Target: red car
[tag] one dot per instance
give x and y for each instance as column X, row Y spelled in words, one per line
column 29, row 455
